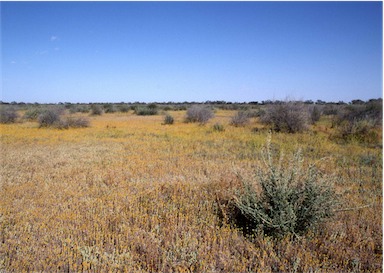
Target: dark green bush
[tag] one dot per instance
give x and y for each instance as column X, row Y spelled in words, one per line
column 289, row 199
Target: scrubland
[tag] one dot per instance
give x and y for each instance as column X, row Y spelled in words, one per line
column 129, row 194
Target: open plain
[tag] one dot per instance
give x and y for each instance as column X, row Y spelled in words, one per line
column 130, row 194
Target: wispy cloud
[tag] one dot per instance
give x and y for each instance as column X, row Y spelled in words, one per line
column 13, row 62
column 54, row 38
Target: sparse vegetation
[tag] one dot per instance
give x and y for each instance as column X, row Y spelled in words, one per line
column 129, row 194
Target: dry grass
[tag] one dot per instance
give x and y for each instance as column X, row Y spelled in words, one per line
column 129, row 194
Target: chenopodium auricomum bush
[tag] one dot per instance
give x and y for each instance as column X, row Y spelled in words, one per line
column 291, row 198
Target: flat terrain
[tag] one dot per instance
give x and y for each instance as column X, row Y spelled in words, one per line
column 128, row 194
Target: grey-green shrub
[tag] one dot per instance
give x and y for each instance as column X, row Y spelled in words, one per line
column 49, row 118
column 199, row 113
column 240, row 119
column 289, row 117
column 8, row 115
column 168, row 119
column 32, row 113
column 96, row 110
column 76, row 122
column 145, row 111
column 290, row 198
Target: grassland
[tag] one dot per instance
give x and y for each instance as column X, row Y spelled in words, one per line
column 128, row 194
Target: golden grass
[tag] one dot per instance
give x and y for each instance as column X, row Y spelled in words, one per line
column 129, row 194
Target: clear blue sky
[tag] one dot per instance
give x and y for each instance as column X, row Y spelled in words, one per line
column 190, row 51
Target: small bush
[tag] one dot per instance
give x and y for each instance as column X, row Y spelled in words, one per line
column 80, row 108
column 168, row 119
column 359, row 123
column 96, row 110
column 49, row 118
column 240, row 119
column 289, row 117
column 8, row 115
column 124, row 108
column 146, row 111
column 315, row 114
column 199, row 113
column 361, row 131
column 217, row 127
column 79, row 122
column 287, row 199
column 32, row 113
column 109, row 108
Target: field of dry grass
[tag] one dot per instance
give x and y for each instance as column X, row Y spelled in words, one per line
column 128, row 194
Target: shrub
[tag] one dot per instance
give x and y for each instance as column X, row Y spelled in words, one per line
column 217, row 127
column 315, row 114
column 361, row 131
column 49, row 118
column 32, row 113
column 199, row 113
column 289, row 200
column 168, row 119
column 79, row 122
column 240, row 119
column 8, row 115
column 290, row 117
column 145, row 111
column 79, row 108
column 359, row 122
column 109, row 108
column 96, row 110
column 124, row 108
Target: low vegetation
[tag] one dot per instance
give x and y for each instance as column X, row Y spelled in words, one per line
column 240, row 119
column 199, row 113
column 128, row 194
column 168, row 119
column 8, row 115
column 287, row 198
column 288, row 117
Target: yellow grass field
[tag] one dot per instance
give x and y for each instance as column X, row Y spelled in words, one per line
column 128, row 194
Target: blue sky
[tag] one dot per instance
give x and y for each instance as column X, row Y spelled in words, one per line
column 190, row 51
